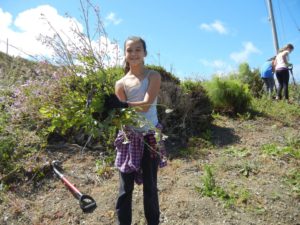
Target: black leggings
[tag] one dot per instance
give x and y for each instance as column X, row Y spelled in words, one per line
column 283, row 77
column 151, row 205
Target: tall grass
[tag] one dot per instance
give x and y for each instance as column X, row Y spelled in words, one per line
column 281, row 111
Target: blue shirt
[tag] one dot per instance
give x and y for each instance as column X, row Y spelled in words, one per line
column 266, row 70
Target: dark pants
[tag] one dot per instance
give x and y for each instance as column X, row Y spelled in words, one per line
column 151, row 205
column 269, row 85
column 283, row 77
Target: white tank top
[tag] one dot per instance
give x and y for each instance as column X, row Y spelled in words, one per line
column 280, row 64
column 137, row 93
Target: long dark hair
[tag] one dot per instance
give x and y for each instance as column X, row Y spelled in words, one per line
column 288, row 46
column 133, row 38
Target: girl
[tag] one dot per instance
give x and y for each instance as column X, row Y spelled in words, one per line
column 266, row 73
column 138, row 158
column 282, row 70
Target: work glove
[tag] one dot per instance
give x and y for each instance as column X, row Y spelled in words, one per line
column 112, row 102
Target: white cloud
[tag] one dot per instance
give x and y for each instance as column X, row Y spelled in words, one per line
column 215, row 26
column 112, row 18
column 5, row 18
column 217, row 66
column 243, row 55
column 32, row 21
column 30, row 24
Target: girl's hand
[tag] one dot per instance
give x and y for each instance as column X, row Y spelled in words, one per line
column 112, row 102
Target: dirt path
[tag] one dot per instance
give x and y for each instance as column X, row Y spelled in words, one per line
column 257, row 180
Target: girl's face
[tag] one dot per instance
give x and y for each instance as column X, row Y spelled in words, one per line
column 134, row 52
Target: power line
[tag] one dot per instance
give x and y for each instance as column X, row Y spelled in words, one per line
column 7, row 46
column 266, row 7
column 283, row 36
column 292, row 17
column 18, row 49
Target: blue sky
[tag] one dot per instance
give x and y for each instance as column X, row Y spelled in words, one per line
column 191, row 38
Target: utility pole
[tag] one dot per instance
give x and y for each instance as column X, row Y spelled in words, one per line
column 273, row 26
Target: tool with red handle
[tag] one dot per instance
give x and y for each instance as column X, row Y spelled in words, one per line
column 86, row 202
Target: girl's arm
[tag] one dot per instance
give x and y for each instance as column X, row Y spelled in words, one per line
column 151, row 94
column 285, row 59
column 119, row 90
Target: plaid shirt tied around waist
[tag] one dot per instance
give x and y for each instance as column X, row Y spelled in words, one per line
column 130, row 146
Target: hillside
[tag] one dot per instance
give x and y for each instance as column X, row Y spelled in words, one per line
column 222, row 169
column 261, row 184
column 17, row 70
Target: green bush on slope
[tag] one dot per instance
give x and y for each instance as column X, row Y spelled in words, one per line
column 228, row 95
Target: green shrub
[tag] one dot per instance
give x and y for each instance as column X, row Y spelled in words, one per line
column 228, row 95
column 7, row 145
column 78, row 114
column 251, row 78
